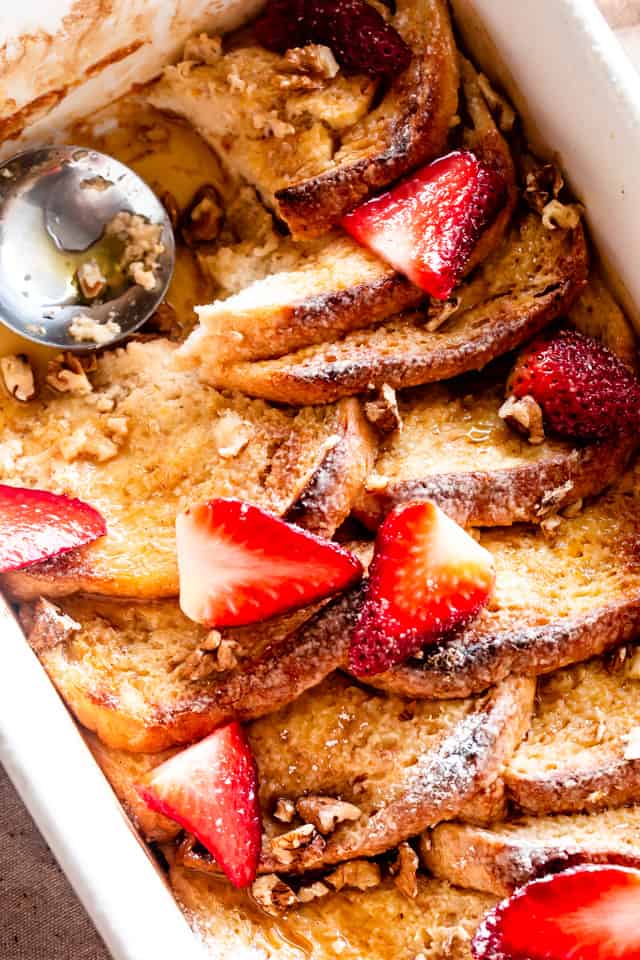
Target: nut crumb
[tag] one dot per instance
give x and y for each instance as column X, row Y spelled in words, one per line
column 359, row 874
column 91, row 280
column 313, row 892
column 84, row 328
column 525, row 416
column 142, row 246
column 285, row 810
column 325, row 813
column 288, row 846
column 66, row 374
column 231, row 434
column 273, row 895
column 563, row 215
column 18, row 378
column 202, row 220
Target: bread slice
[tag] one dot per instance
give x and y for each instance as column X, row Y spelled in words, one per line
column 561, row 597
column 403, row 764
column 315, row 155
column 124, row 771
column 533, row 277
column 377, row 923
column 336, row 285
column 146, row 441
column 454, row 448
column 583, row 750
column 144, row 677
column 510, row 854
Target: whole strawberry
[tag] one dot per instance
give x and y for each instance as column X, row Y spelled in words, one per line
column 584, row 390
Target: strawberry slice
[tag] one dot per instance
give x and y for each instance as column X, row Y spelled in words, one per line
column 239, row 564
column 584, row 389
column 36, row 525
column 427, row 577
column 589, row 913
column 428, row 225
column 211, row 789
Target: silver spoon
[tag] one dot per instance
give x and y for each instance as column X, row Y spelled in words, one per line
column 54, row 205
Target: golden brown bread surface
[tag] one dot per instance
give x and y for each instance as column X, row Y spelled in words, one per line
column 315, row 155
column 510, row 854
column 109, row 447
column 533, row 277
column 403, row 764
column 141, row 676
column 376, row 924
column 455, row 449
column 559, row 599
column 582, row 752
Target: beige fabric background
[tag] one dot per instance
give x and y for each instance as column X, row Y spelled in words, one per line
column 40, row 917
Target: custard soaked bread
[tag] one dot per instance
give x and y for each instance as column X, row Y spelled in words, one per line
column 510, row 854
column 315, row 154
column 334, row 285
column 532, row 278
column 583, row 750
column 139, row 440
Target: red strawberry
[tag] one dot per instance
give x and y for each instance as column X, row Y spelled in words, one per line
column 427, row 577
column 360, row 38
column 211, row 789
column 428, row 225
column 590, row 913
column 584, row 390
column 239, row 564
column 36, row 525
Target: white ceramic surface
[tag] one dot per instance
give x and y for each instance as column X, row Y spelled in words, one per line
column 578, row 92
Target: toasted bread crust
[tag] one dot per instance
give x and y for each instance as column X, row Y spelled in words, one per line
column 611, row 785
column 498, row 861
column 409, row 127
column 403, row 353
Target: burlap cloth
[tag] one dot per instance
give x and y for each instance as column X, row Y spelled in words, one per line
column 40, row 917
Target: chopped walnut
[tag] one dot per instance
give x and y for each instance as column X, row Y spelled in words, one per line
column 91, row 279
column 543, row 182
column 315, row 59
column 632, row 749
column 501, row 109
column 439, row 311
column 273, row 895
column 84, row 328
column 52, row 627
column 288, row 846
column 142, row 246
column 313, row 892
column 203, row 49
column 383, row 412
column 325, row 813
column 231, row 434
column 404, row 871
column 359, row 874
column 563, row 215
column 525, row 416
column 66, row 374
column 285, row 810
column 18, row 378
column 202, row 220
column 216, row 654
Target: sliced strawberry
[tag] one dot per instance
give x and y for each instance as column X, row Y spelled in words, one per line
column 36, row 525
column 590, row 913
column 427, row 577
column 584, row 390
column 239, row 564
column 211, row 789
column 428, row 225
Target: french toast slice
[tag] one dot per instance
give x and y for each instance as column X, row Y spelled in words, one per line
column 561, row 597
column 403, row 764
column 337, row 285
column 533, row 277
column 315, row 155
column 455, row 449
column 510, row 854
column 124, row 771
column 110, row 447
column 144, row 678
column 583, row 749
column 377, row 923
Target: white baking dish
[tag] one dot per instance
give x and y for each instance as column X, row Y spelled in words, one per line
column 579, row 94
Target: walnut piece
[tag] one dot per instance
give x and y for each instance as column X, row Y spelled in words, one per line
column 273, row 895
column 313, row 892
column 84, row 328
column 66, row 374
column 288, row 846
column 563, row 215
column 325, row 813
column 543, row 182
column 202, row 220
column 18, row 378
column 231, row 434
column 405, row 870
column 91, row 279
column 359, row 874
column 142, row 246
column 383, row 412
column 315, row 59
column 525, row 416
column 285, row 810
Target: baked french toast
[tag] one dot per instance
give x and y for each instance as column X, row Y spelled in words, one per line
column 104, row 442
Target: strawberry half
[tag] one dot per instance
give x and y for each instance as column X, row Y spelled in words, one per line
column 589, row 913
column 427, row 577
column 37, row 525
column 584, row 390
column 211, row 789
column 239, row 564
column 428, row 225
